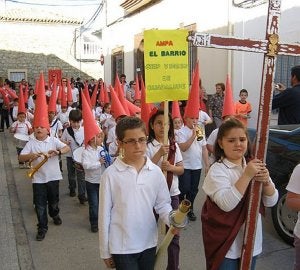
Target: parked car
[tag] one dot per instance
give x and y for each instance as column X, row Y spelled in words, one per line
column 283, row 154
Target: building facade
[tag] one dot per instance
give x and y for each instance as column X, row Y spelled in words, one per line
column 123, row 22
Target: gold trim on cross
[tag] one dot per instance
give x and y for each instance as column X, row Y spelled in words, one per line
column 273, row 45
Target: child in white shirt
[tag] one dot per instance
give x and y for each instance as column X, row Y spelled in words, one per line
column 23, row 127
column 93, row 163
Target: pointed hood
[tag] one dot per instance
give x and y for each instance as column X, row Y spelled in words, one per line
column 36, row 86
column 133, row 109
column 86, row 94
column 175, row 109
column 25, row 93
column 192, row 106
column 228, row 105
column 41, row 108
column 145, row 107
column 21, row 106
column 52, row 101
column 116, row 106
column 94, row 95
column 91, row 129
column 137, row 91
column 106, row 96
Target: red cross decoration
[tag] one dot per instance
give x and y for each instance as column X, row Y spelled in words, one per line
column 270, row 47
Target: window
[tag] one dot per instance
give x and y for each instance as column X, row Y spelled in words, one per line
column 283, row 68
column 17, row 75
column 117, row 63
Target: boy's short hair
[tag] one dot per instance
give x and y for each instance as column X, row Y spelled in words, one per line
column 21, row 113
column 128, row 122
column 244, row 91
column 75, row 115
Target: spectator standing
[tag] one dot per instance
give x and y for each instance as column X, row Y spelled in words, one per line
column 243, row 108
column 288, row 100
column 215, row 104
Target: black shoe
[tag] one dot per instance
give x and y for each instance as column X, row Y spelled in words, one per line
column 57, row 220
column 1, row 130
column 82, row 200
column 40, row 235
column 72, row 193
column 191, row 216
column 94, row 228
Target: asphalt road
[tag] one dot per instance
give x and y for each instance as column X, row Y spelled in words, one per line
column 73, row 246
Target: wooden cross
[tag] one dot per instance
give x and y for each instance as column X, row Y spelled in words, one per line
column 270, row 47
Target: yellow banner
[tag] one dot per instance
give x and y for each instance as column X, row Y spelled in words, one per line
column 166, row 65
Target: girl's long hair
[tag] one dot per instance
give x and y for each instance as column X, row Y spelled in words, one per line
column 223, row 130
column 151, row 135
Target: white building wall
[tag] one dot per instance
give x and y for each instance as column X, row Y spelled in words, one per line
column 210, row 16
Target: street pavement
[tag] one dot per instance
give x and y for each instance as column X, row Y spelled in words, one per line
column 72, row 245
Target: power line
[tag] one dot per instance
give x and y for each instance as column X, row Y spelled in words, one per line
column 70, row 4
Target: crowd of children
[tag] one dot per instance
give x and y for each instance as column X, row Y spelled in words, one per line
column 111, row 153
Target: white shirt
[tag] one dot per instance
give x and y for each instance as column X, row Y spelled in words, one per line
column 111, row 136
column 55, row 127
column 112, row 149
column 15, row 112
column 50, row 170
column 103, row 117
column 219, row 185
column 79, row 137
column 126, row 200
column 31, row 104
column 75, row 94
column 211, row 141
column 90, row 161
column 294, row 186
column 203, row 117
column 192, row 157
column 21, row 127
column 64, row 116
column 152, row 148
column 98, row 112
column 107, row 121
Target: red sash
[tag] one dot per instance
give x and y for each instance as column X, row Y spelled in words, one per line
column 220, row 228
column 171, row 159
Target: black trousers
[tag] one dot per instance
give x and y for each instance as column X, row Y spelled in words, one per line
column 4, row 118
column 44, row 194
